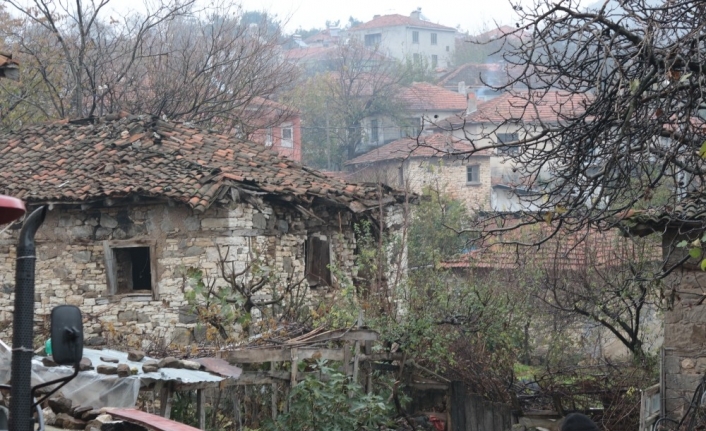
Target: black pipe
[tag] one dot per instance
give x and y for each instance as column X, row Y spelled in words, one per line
column 22, row 326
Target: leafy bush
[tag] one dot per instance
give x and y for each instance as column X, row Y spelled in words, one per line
column 328, row 401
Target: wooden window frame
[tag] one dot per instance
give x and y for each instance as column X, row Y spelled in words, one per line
column 326, row 281
column 111, row 265
column 476, row 169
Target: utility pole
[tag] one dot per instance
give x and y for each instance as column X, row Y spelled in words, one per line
column 328, row 139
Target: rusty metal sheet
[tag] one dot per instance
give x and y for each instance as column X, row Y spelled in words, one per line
column 220, row 367
column 152, row 422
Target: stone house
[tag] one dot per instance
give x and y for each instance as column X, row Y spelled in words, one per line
column 282, row 131
column 683, row 355
column 435, row 161
column 499, row 125
column 134, row 201
column 409, row 37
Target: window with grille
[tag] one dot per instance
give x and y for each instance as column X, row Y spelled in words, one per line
column 473, row 174
column 415, row 37
column 433, row 39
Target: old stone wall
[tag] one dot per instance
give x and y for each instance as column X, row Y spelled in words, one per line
column 71, row 264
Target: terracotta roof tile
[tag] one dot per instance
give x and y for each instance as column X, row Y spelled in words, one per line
column 436, row 145
column 50, row 163
column 422, row 96
column 551, row 107
column 566, row 250
column 395, row 20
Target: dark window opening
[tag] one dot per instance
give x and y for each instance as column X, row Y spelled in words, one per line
column 415, row 37
column 129, row 268
column 504, row 138
column 374, row 131
column 318, row 259
column 373, row 39
column 433, row 39
column 473, row 174
column 133, row 269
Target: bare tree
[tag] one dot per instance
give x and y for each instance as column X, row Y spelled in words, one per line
column 359, row 83
column 206, row 66
column 625, row 81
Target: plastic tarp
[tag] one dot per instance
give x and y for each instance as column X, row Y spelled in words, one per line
column 90, row 388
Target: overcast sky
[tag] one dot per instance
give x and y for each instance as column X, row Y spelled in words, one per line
column 472, row 15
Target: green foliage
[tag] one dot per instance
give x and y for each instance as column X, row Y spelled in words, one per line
column 328, row 401
column 432, row 235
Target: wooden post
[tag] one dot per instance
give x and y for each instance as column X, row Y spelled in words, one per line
column 356, row 349
column 165, row 400
column 201, row 408
column 295, row 362
column 458, row 406
column 347, row 360
column 368, row 349
column 274, row 393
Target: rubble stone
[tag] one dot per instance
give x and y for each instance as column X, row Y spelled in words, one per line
column 49, row 416
column 49, row 362
column 150, row 366
column 60, row 404
column 69, row 422
column 189, row 365
column 123, row 370
column 85, row 364
column 169, row 362
column 135, row 355
column 109, row 359
column 107, row 369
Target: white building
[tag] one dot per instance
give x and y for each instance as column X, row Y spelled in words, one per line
column 409, row 37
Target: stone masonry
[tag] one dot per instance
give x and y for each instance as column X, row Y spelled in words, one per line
column 71, row 264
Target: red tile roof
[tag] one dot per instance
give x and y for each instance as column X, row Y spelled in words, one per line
column 551, row 107
column 564, row 251
column 436, row 145
column 422, row 96
column 396, row 20
column 126, row 156
column 9, row 68
column 310, row 53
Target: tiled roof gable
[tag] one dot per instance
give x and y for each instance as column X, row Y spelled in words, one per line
column 436, row 145
column 395, row 20
column 88, row 160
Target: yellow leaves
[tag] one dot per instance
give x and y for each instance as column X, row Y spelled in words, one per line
column 702, row 150
column 548, row 217
column 703, row 265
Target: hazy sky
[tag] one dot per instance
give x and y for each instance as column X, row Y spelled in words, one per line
column 472, row 15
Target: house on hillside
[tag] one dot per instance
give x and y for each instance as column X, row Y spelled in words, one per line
column 327, row 37
column 420, row 104
column 134, row 201
column 435, row 161
column 476, row 78
column 282, row 131
column 500, row 124
column 409, row 37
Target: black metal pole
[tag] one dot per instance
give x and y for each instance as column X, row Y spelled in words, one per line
column 22, row 327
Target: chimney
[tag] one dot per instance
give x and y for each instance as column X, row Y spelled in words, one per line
column 416, row 14
column 462, row 87
column 471, row 103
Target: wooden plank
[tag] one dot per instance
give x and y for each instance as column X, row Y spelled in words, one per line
column 368, row 349
column 427, row 386
column 110, row 268
column 345, row 335
column 152, row 422
column 295, row 367
column 471, row 420
column 201, row 408
column 165, row 401
column 458, row 406
column 249, row 356
column 274, row 393
column 347, row 356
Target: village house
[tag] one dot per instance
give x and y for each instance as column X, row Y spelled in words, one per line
column 135, row 201
column 421, row 103
column 409, row 38
column 433, row 161
column 282, row 132
column 499, row 125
